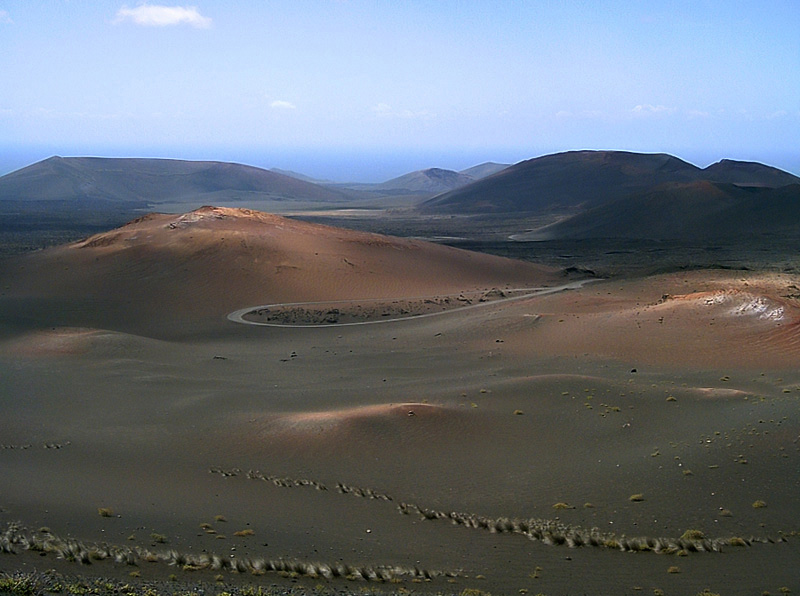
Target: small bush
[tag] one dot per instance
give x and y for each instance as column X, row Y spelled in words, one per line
column 243, row 533
column 759, row 504
column 736, row 541
column 674, row 569
column 105, row 512
column 636, row 498
column 693, row 535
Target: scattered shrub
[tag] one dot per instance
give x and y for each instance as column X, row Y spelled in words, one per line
column 693, row 535
column 736, row 541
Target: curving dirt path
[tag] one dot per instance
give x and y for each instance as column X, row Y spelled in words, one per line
column 237, row 316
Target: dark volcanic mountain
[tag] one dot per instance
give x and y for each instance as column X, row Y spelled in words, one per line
column 134, row 182
column 699, row 210
column 748, row 173
column 563, row 181
column 579, row 180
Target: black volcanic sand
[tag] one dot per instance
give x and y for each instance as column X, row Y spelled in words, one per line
column 433, row 413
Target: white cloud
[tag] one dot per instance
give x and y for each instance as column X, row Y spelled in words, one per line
column 697, row 114
column 153, row 15
column 581, row 115
column 648, row 109
column 279, row 104
column 5, row 18
column 384, row 110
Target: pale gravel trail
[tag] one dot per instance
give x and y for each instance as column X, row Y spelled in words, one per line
column 237, row 316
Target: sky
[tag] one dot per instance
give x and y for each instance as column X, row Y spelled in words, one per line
column 365, row 90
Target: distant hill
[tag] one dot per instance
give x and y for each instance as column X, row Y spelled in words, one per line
column 700, row 210
column 580, row 180
column 748, row 173
column 299, row 176
column 485, row 169
column 103, row 182
column 421, row 184
column 432, row 180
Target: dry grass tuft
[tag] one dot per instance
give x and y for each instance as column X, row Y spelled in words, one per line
column 693, row 535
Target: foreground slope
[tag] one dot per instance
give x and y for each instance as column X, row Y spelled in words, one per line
column 163, row 272
column 628, row 436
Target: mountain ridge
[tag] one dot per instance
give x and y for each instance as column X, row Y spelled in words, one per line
column 579, row 180
column 148, row 182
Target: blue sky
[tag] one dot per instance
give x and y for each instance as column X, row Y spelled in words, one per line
column 367, row 90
